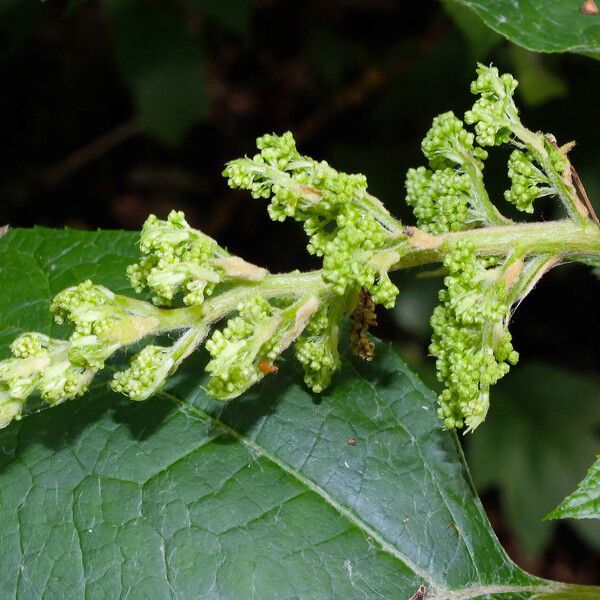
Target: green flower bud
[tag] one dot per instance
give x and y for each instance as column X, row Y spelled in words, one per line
column 449, row 145
column 178, row 261
column 494, row 113
column 470, row 340
column 440, row 199
column 146, row 374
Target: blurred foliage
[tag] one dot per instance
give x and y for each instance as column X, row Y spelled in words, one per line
column 546, row 421
column 112, row 109
column 163, row 65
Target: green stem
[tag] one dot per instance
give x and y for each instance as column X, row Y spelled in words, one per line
column 556, row 240
column 564, row 239
column 381, row 214
column 491, row 214
column 285, row 285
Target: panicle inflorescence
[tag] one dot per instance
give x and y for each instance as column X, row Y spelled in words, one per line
column 494, row 113
column 244, row 351
column 60, row 370
column 177, row 259
column 471, row 341
column 528, row 182
column 238, row 349
column 317, row 348
column 146, row 373
column 335, row 208
column 40, row 364
column 359, row 243
column 449, row 144
column 450, row 195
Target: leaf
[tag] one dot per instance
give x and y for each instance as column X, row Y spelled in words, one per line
column 584, row 502
column 264, row 497
column 547, row 432
column 478, row 37
column 543, row 25
column 163, row 65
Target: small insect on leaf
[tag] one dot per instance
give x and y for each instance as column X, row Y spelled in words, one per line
column 352, row 441
column 419, row 594
column 268, row 368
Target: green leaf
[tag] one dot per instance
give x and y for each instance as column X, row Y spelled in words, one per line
column 548, row 433
column 265, row 497
column 163, row 65
column 584, row 502
column 478, row 37
column 543, row 25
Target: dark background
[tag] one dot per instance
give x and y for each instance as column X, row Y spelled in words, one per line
column 112, row 110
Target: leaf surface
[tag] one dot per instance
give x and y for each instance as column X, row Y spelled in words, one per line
column 584, row 502
column 266, row 497
column 542, row 25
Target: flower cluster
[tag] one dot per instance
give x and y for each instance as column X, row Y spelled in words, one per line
column 177, row 259
column 146, row 373
column 494, row 114
column 439, row 199
column 359, row 243
column 528, row 181
column 245, row 350
column 345, row 225
column 471, row 341
column 317, row 347
column 241, row 346
column 449, row 196
column 60, row 370
column 40, row 364
column 449, row 144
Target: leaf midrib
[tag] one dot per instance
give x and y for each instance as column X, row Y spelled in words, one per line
column 386, row 546
column 436, row 591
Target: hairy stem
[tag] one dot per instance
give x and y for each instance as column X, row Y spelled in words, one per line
column 489, row 211
column 564, row 239
column 551, row 242
column 285, row 285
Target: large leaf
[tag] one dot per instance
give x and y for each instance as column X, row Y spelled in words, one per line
column 542, row 25
column 548, row 433
column 584, row 502
column 279, row 495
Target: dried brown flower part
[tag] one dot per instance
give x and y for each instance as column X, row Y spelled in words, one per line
column 363, row 317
